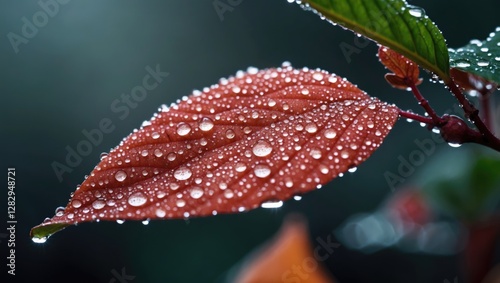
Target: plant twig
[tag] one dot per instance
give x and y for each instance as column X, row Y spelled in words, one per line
column 472, row 114
column 416, row 117
column 425, row 104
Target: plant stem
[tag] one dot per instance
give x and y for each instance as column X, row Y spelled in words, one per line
column 416, row 117
column 479, row 248
column 425, row 104
column 484, row 99
column 473, row 115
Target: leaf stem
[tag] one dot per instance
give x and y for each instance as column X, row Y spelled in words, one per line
column 472, row 114
column 425, row 104
column 416, row 117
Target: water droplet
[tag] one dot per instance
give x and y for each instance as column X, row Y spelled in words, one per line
column 262, row 148
column 144, row 153
column 304, row 91
column 436, row 130
column 120, row 176
column 145, row 222
column 120, row 221
column 137, row 199
column 330, row 134
column 315, row 153
column 378, row 133
column 370, row 124
column 240, row 167
column 297, row 197
column 183, row 129
column 155, row 135
column 332, row 79
column 182, row 173
column 236, row 89
column 171, row 156
column 271, row 103
column 262, row 171
column 180, row 203
column 160, row 213
column 206, row 124
column 39, row 240
column 158, row 152
column 344, row 154
column 462, row 64
column 228, row 194
column 483, row 64
column 222, row 186
column 98, row 204
column 196, row 192
column 230, row 134
column 272, row 204
column 318, row 76
column 311, row 128
column 416, row 12
column 76, row 203
column 454, row 144
column 352, row 169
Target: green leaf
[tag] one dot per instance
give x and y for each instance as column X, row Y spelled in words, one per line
column 481, row 58
column 469, row 188
column 395, row 24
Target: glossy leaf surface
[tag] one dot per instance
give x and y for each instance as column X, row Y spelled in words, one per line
column 392, row 23
column 255, row 139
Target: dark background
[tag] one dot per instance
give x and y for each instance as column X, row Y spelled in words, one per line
column 66, row 77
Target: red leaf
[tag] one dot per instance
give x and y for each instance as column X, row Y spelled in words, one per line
column 258, row 137
column 405, row 70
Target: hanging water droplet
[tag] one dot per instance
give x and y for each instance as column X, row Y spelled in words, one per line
column 137, row 199
column 182, row 173
column 183, row 129
column 120, row 176
column 454, row 144
column 120, row 221
column 272, row 204
column 206, row 124
column 352, row 169
column 196, row 192
column 145, row 222
column 262, row 171
column 262, row 148
column 436, row 130
column 39, row 240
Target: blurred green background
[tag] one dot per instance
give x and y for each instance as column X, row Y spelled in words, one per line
column 66, row 76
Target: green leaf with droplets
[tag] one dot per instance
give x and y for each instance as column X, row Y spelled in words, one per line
column 395, row 24
column 481, row 58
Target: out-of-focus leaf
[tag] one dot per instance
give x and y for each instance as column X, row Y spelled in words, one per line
column 471, row 190
column 289, row 257
column 392, row 23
